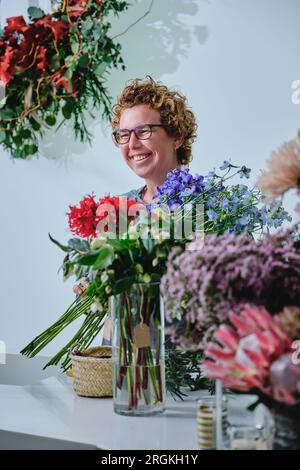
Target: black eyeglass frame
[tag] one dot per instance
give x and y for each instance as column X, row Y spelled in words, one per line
column 134, row 131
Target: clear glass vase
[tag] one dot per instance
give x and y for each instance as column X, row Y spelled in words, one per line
column 286, row 427
column 138, row 351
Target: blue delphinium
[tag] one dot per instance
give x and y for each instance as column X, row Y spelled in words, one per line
column 228, row 208
column 244, row 172
column 179, row 186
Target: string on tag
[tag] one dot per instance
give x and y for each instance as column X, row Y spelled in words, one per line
column 141, row 333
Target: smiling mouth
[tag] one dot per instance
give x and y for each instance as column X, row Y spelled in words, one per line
column 140, row 158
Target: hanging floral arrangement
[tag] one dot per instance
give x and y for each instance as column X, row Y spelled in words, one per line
column 54, row 68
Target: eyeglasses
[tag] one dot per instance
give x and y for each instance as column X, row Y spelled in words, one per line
column 143, row 132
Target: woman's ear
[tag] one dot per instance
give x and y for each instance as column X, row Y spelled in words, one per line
column 178, row 142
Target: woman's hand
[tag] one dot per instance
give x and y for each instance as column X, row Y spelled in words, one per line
column 80, row 288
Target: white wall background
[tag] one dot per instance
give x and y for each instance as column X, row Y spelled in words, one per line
column 234, row 59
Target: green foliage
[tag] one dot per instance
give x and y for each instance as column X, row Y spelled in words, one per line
column 84, row 57
column 183, row 372
column 35, row 12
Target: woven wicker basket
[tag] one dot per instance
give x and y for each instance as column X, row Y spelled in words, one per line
column 92, row 371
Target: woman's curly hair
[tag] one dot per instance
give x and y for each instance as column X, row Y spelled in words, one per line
column 179, row 121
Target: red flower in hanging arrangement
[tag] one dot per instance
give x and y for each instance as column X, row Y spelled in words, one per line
column 41, row 58
column 5, row 65
column 19, row 53
column 58, row 28
column 43, row 67
column 15, row 24
column 61, row 82
column 76, row 8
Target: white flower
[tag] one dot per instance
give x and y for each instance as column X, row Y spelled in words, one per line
column 96, row 307
column 104, row 277
column 98, row 242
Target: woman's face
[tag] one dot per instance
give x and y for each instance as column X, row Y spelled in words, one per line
column 160, row 148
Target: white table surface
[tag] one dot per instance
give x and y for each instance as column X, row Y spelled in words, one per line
column 44, row 404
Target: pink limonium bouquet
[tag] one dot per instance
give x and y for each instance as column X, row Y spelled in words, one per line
column 255, row 353
column 203, row 284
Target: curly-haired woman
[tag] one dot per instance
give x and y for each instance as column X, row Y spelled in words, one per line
column 154, row 130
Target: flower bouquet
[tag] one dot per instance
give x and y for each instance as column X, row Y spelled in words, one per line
column 121, row 245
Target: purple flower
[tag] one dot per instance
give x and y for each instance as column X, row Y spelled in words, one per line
column 226, row 164
column 244, row 172
column 203, row 284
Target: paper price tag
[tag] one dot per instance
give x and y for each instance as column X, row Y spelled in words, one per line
column 141, row 336
column 107, row 328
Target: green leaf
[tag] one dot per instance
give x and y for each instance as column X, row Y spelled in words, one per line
column 3, row 101
column 83, row 61
column 7, row 113
column 18, row 153
column 69, row 73
column 70, row 85
column 35, row 12
column 17, row 139
column 73, row 29
column 25, row 133
column 87, row 25
column 51, row 120
column 2, row 136
column 80, row 245
column 35, row 125
column 100, row 68
column 66, row 112
column 123, row 284
column 62, row 247
column 55, row 62
column 105, row 257
column 65, row 18
column 30, row 149
column 115, row 243
column 87, row 260
column 74, row 47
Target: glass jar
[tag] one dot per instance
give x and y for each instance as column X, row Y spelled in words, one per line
column 245, row 437
column 286, row 429
column 207, row 421
column 138, row 351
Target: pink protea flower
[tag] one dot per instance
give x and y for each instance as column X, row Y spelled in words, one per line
column 283, row 172
column 249, row 355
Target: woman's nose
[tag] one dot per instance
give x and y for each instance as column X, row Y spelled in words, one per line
column 133, row 141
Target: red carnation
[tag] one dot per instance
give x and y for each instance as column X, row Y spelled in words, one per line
column 82, row 219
